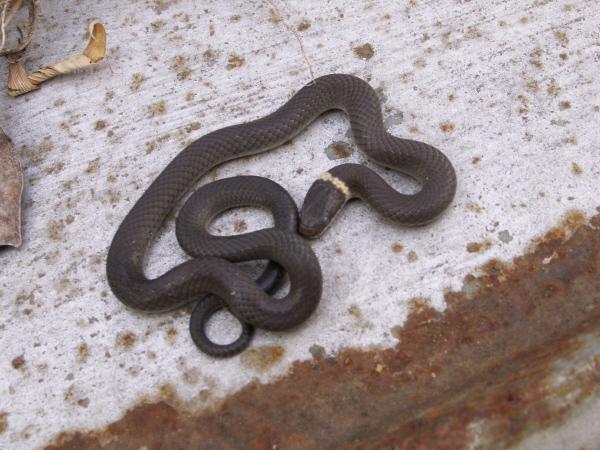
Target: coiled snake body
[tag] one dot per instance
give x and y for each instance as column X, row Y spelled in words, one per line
column 210, row 274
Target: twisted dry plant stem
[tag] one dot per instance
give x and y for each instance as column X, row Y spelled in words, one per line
column 289, row 27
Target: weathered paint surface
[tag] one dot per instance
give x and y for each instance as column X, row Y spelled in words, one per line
column 514, row 352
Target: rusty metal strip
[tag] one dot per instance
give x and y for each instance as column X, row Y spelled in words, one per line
column 513, row 353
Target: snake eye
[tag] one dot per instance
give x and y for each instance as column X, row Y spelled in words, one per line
column 325, row 221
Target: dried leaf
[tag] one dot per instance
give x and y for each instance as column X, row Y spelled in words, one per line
column 20, row 83
column 8, row 10
column 11, row 187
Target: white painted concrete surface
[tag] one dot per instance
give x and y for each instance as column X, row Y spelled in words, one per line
column 508, row 90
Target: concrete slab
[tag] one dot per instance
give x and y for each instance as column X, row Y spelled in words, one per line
column 508, row 90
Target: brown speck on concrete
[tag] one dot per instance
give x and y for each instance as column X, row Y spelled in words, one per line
column 524, row 100
column 184, row 74
column 93, row 165
column 234, row 61
column 304, row 25
column 490, row 357
column 476, row 160
column 126, row 340
column 55, row 228
column 447, row 127
column 532, row 86
column 137, row 80
column 407, row 77
column 150, row 146
column 475, row 247
column 263, row 358
column 561, row 37
column 235, row 18
column 576, row 168
column 355, row 311
column 239, row 226
column 564, row 105
column 157, row 108
column 157, row 25
column 474, row 207
column 100, row 125
column 412, row 256
column 536, row 63
column 192, row 127
column 364, row 51
column 113, row 196
column 397, row 248
column 209, row 56
column 553, row 89
column 171, row 335
column 180, row 65
column 83, row 353
column 18, row 363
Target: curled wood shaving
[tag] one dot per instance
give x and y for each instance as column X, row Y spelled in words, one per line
column 19, row 83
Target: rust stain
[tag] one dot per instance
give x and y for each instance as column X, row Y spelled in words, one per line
column 263, row 358
column 488, row 359
column 338, row 150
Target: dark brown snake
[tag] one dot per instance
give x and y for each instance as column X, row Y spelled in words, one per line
column 213, row 271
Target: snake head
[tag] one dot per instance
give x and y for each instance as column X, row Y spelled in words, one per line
column 322, row 203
